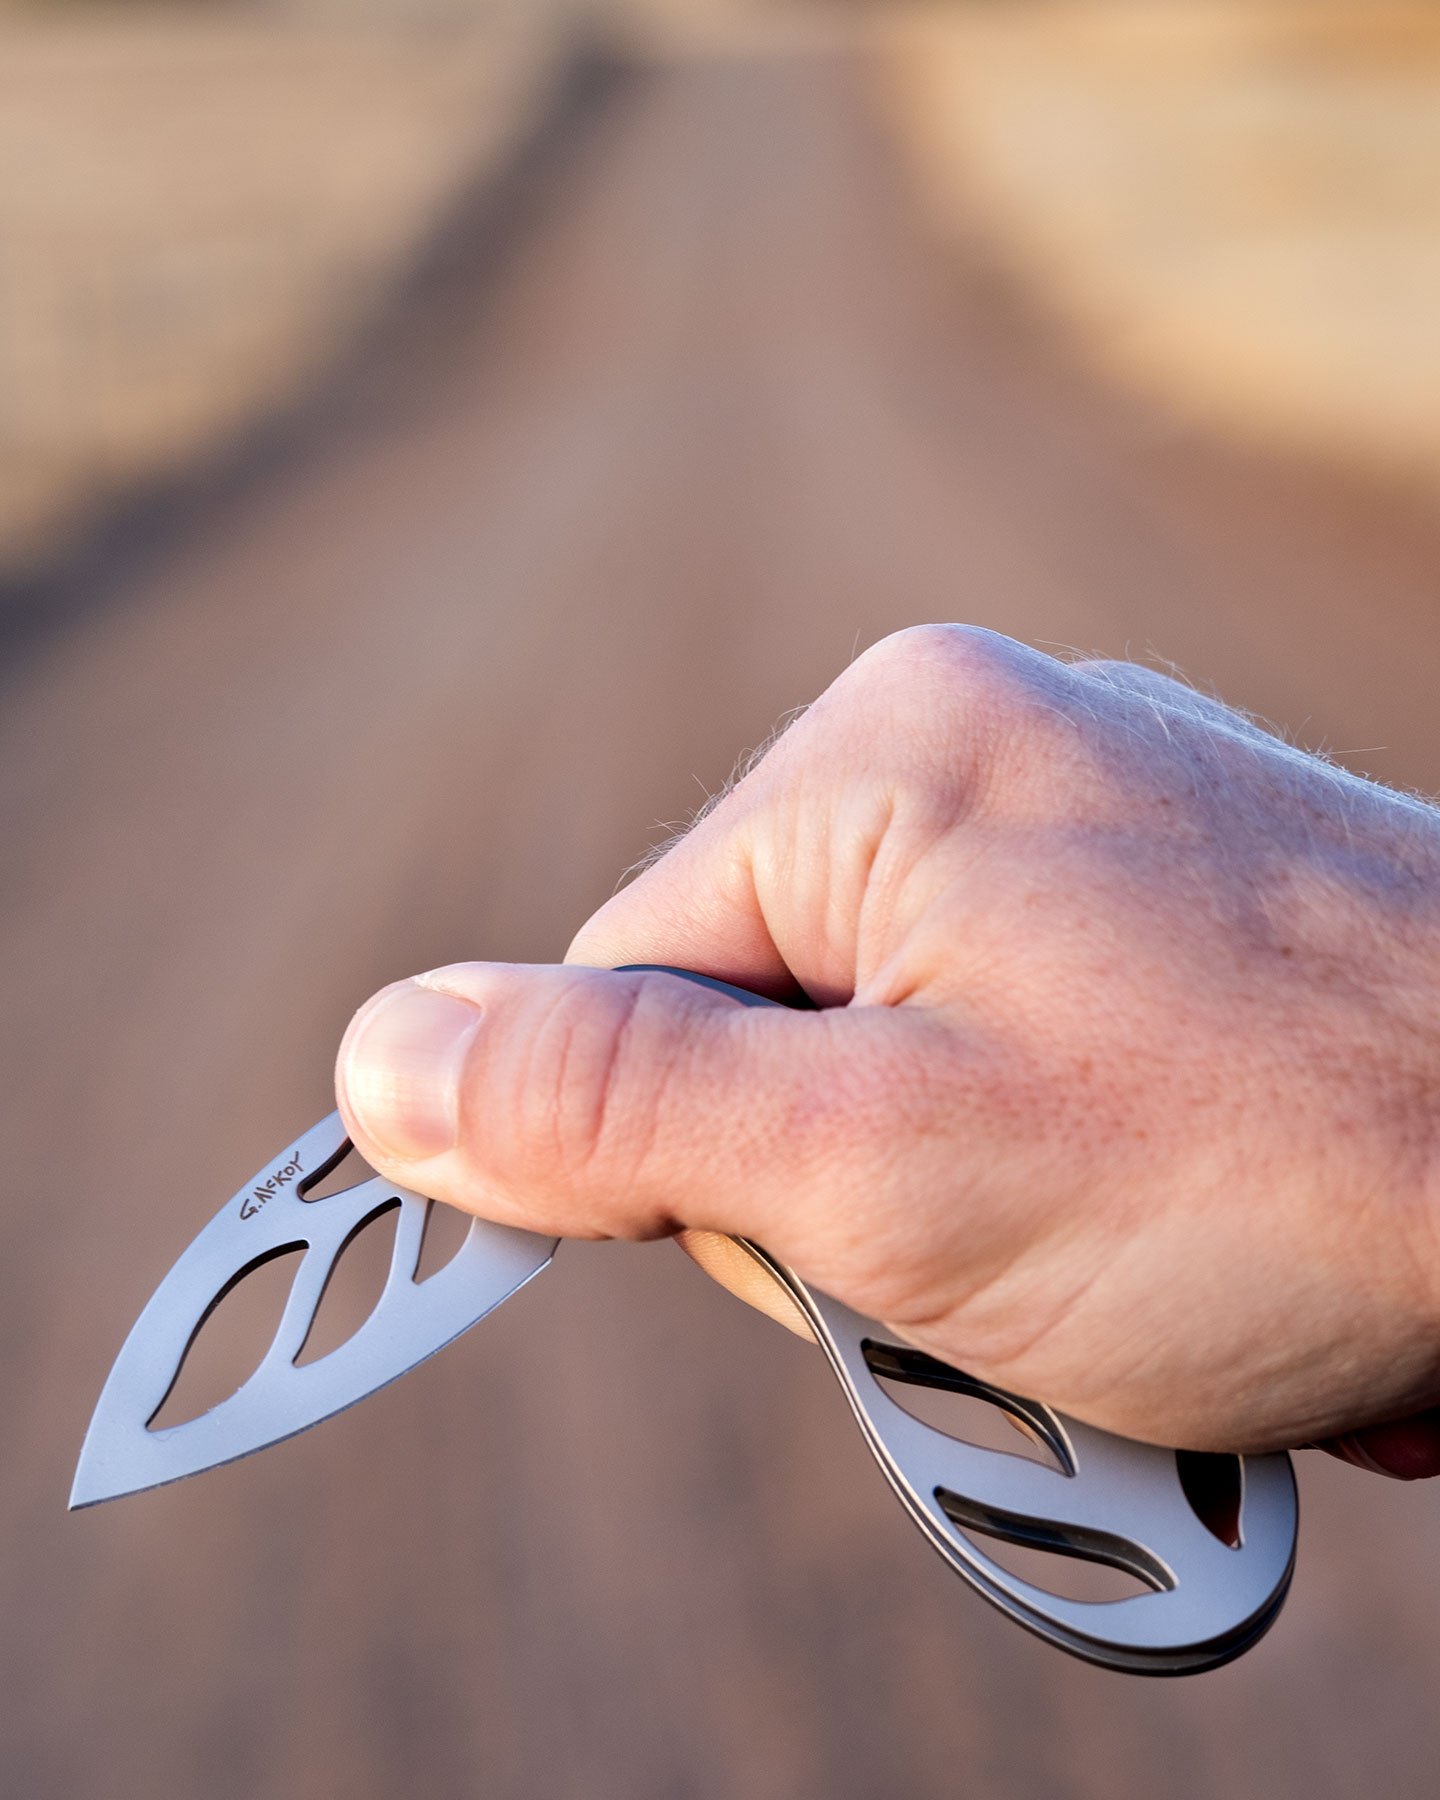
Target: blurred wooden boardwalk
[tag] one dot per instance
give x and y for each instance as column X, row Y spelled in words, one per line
column 417, row 690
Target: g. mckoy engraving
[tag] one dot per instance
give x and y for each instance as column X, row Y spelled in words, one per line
column 266, row 1190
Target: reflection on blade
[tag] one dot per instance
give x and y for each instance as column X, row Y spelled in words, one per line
column 410, row 1322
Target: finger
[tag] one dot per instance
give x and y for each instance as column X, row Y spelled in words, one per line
column 1406, row 1450
column 596, row 1103
column 769, row 888
column 698, row 908
column 585, row 1101
column 702, row 906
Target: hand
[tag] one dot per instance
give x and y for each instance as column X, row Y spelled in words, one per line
column 1125, row 1085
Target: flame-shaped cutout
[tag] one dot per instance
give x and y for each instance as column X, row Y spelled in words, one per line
column 446, row 1229
column 337, row 1175
column 1211, row 1482
column 950, row 1401
column 1049, row 1545
column 231, row 1340
column 1066, row 1576
column 355, row 1283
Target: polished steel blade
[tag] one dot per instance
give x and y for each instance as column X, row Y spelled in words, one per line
column 410, row 1322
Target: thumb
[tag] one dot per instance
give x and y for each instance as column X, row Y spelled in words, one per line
column 598, row 1103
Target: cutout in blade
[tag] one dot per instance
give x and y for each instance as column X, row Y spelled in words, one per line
column 1066, row 1574
column 232, row 1338
column 950, row 1401
column 355, row 1285
column 346, row 1169
column 1211, row 1482
column 408, row 1323
column 446, row 1229
column 1049, row 1545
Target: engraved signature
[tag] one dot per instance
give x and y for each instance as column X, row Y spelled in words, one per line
column 267, row 1190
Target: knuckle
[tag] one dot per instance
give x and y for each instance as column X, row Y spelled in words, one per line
column 960, row 656
column 993, row 685
column 956, row 720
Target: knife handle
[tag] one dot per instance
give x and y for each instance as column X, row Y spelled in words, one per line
column 1212, row 1581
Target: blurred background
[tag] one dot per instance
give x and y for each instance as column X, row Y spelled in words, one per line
column 436, row 438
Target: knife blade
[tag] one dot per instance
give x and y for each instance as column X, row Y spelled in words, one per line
column 124, row 1453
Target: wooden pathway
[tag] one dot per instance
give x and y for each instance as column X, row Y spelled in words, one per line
column 622, row 484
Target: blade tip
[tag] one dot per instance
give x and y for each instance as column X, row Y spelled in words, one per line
column 88, row 1489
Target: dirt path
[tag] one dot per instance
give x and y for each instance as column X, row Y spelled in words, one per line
column 608, row 504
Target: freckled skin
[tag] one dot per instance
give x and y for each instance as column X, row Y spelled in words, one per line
column 1124, row 1090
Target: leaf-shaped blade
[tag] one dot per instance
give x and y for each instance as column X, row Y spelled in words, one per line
column 410, row 1322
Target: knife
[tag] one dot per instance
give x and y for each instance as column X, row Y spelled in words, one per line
column 1209, row 1540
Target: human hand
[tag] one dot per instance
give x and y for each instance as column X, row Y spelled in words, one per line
column 1123, row 1090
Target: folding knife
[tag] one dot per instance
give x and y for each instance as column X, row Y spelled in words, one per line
column 1209, row 1539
